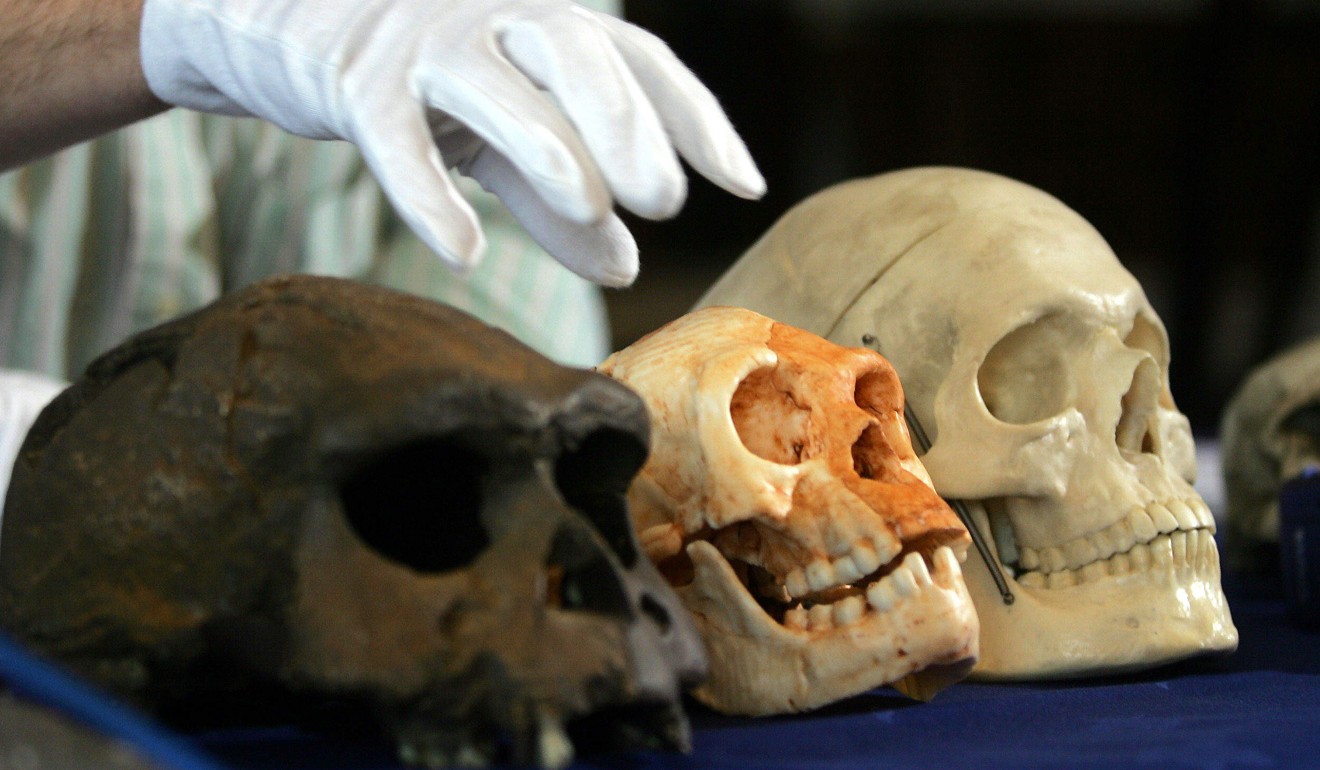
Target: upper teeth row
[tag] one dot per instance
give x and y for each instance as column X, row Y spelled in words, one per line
column 909, row 578
column 1141, row 525
column 862, row 560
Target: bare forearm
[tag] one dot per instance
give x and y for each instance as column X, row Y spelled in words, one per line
column 69, row 70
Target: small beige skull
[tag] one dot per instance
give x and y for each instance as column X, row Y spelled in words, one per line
column 1040, row 371
column 1269, row 434
column 784, row 502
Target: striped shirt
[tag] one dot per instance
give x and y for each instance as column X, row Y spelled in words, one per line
column 122, row 233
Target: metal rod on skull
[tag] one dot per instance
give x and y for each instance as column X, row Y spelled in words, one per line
column 959, row 507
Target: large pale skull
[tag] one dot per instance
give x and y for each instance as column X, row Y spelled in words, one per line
column 783, row 500
column 315, row 490
column 1269, row 433
column 1040, row 371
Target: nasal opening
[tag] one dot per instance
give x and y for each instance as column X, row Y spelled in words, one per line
column 1133, row 433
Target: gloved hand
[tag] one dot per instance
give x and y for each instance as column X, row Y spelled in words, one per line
column 22, row 397
column 557, row 109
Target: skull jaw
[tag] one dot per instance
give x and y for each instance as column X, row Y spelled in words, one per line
column 530, row 723
column 759, row 667
column 1118, row 624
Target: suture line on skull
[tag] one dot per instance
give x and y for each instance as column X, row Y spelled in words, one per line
column 960, row 508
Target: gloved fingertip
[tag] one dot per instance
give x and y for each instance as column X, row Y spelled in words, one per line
column 617, row 263
column 663, row 201
column 459, row 251
column 700, row 131
column 748, row 183
column 620, row 279
column 738, row 172
column 605, row 254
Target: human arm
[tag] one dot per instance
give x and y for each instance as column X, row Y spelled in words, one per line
column 69, row 70
column 560, row 111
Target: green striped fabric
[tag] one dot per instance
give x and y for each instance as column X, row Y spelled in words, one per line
column 113, row 236
column 119, row 234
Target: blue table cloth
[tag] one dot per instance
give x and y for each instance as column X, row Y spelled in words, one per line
column 1257, row 708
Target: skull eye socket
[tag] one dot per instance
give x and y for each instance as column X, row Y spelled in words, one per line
column 1304, row 420
column 593, row 477
column 1299, row 437
column 770, row 423
column 1146, row 335
column 1024, row 378
column 419, row 505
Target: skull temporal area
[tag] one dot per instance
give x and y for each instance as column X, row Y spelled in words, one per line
column 322, row 489
column 1041, row 372
column 784, row 502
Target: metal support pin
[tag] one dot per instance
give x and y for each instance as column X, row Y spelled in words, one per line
column 960, row 508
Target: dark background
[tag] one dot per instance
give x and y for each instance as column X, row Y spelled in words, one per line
column 1187, row 132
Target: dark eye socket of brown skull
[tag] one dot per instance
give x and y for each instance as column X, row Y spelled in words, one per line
column 419, row 505
column 593, row 477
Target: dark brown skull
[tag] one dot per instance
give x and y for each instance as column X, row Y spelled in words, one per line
column 338, row 491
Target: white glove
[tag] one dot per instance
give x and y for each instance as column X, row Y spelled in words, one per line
column 557, row 109
column 22, row 397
